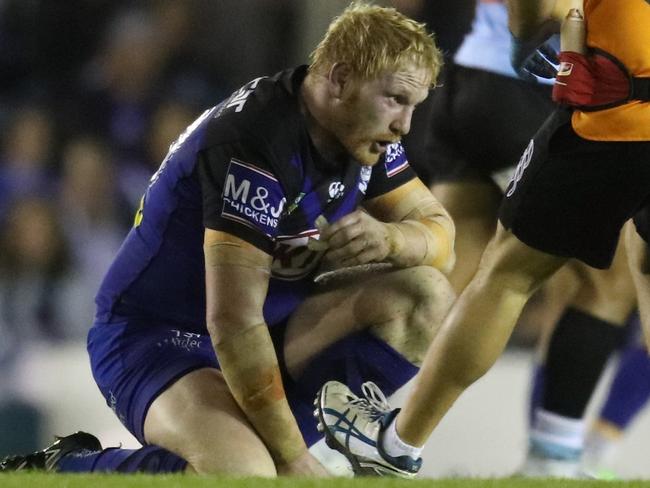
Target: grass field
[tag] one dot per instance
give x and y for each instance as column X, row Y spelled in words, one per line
column 184, row 481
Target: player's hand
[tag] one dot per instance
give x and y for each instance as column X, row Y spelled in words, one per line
column 531, row 60
column 305, row 465
column 357, row 238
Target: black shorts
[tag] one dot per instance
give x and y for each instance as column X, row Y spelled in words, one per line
column 570, row 196
column 475, row 124
column 642, row 223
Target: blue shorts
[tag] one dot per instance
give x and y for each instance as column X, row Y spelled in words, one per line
column 134, row 361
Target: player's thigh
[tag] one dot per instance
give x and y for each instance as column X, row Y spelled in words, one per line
column 362, row 303
column 513, row 265
column 607, row 293
column 571, row 196
column 197, row 418
column 473, row 206
column 638, row 253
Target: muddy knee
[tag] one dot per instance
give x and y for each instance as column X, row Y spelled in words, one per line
column 430, row 296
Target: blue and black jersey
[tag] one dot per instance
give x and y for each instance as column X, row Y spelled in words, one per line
column 249, row 168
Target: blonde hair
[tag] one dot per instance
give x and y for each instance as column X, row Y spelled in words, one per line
column 373, row 39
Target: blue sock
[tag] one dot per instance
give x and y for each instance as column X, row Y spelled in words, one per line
column 148, row 459
column 536, row 391
column 630, row 388
column 352, row 360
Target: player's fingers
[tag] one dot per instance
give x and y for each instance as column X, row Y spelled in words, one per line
column 345, row 235
column 330, row 230
column 366, row 256
column 348, row 251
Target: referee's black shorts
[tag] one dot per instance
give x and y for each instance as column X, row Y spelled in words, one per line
column 570, row 196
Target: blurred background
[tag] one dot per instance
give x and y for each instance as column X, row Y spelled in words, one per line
column 92, row 93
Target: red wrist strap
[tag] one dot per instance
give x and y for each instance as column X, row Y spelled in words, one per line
column 593, row 82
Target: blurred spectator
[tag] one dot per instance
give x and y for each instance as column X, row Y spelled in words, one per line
column 34, row 258
column 95, row 218
column 43, row 43
column 241, row 39
column 120, row 86
column 449, row 21
column 170, row 119
column 26, row 155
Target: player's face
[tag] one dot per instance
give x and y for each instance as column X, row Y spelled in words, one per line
column 376, row 113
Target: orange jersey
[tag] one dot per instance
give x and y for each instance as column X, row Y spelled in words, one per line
column 621, row 28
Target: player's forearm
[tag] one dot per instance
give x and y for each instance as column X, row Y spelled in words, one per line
column 250, row 367
column 422, row 241
column 526, row 17
column 420, row 230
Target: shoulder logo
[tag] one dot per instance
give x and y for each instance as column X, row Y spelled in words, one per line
column 395, row 159
column 394, row 151
column 238, row 99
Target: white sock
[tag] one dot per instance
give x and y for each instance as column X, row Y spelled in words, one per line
column 599, row 449
column 551, row 428
column 394, row 446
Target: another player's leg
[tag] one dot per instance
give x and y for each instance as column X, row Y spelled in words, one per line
column 377, row 328
column 630, row 388
column 473, row 205
column 587, row 334
column 637, row 241
column 628, row 394
column 472, row 337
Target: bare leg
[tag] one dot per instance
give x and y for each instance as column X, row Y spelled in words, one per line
column 639, row 259
column 403, row 307
column 473, row 206
column 191, row 417
column 607, row 294
column 475, row 332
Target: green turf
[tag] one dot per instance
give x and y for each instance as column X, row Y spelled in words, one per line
column 27, row 480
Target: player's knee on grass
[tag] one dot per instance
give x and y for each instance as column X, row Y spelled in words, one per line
column 230, row 460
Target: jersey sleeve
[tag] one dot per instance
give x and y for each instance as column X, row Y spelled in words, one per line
column 241, row 194
column 391, row 172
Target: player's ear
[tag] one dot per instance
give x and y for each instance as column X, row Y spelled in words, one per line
column 339, row 77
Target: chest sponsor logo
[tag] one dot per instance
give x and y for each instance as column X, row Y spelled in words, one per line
column 292, row 259
column 395, row 160
column 253, row 197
